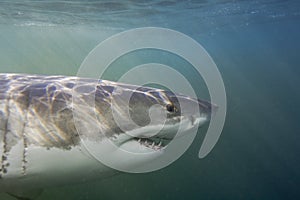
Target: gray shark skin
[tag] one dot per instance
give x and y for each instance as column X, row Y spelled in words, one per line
column 41, row 139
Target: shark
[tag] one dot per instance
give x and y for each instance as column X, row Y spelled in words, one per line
column 47, row 123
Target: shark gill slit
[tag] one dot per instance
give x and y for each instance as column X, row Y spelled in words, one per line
column 5, row 146
column 25, row 141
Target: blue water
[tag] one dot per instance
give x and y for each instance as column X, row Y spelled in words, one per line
column 255, row 45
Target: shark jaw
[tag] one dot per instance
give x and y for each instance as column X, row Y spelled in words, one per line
column 142, row 141
column 137, row 148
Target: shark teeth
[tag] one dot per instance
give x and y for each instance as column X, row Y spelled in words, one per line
column 150, row 143
column 159, row 144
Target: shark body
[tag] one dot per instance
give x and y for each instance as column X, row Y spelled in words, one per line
column 47, row 121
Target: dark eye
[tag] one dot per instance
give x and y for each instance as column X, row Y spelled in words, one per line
column 170, row 107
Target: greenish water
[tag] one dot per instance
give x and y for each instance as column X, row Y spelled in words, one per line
column 255, row 45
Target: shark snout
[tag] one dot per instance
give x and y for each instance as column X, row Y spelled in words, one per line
column 207, row 108
column 197, row 111
column 194, row 108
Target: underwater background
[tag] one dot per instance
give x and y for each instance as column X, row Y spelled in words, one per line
column 256, row 46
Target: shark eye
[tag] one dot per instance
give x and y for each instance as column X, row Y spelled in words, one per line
column 170, row 108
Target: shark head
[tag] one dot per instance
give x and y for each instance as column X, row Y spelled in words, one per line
column 134, row 124
column 139, row 122
column 148, row 119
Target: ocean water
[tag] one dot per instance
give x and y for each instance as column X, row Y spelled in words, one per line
column 255, row 45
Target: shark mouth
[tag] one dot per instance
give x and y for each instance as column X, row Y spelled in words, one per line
column 154, row 143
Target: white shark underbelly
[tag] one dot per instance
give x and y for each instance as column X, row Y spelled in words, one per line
column 50, row 167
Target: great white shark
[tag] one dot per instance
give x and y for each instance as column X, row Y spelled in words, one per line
column 47, row 121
